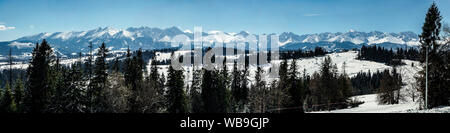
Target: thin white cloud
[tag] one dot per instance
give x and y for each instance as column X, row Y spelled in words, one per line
column 311, row 14
column 31, row 26
column 4, row 27
column 20, row 45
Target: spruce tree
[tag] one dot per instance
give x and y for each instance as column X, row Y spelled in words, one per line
column 116, row 65
column 283, row 97
column 295, row 88
column 438, row 92
column 236, row 88
column 344, row 86
column 224, row 91
column 38, row 75
column 134, row 76
column 244, row 90
column 75, row 98
column 195, row 95
column 57, row 86
column 156, row 81
column 7, row 103
column 19, row 94
column 258, row 95
column 210, row 92
column 176, row 96
column 127, row 67
column 99, row 80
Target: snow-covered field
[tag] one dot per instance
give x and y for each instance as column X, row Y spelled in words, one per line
column 371, row 105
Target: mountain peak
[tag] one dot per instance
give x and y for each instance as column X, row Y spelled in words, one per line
column 243, row 33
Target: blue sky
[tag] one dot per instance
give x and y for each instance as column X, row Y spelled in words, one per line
column 26, row 17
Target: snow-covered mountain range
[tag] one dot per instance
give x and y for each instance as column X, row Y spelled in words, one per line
column 69, row 43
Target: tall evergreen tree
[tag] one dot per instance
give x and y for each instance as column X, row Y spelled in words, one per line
column 134, row 76
column 38, row 72
column 224, row 90
column 75, row 96
column 176, row 96
column 7, row 103
column 344, row 85
column 438, row 92
column 258, row 100
column 156, row 81
column 213, row 94
column 99, row 81
column 196, row 102
column 127, row 67
column 236, row 86
column 283, row 97
column 19, row 94
column 57, row 86
column 295, row 88
column 10, row 62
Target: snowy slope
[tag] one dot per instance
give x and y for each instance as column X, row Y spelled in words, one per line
column 312, row 65
column 352, row 67
column 371, row 105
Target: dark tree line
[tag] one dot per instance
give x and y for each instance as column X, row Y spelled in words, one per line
column 389, row 88
column 387, row 56
column 329, row 90
column 366, row 82
column 295, row 54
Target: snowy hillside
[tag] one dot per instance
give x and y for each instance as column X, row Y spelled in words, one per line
column 352, row 67
column 371, row 105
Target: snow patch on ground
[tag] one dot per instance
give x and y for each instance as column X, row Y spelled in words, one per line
column 371, row 105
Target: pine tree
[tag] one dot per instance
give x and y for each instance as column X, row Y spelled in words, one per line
column 258, row 100
column 295, row 88
column 88, row 71
column 10, row 62
column 75, row 98
column 438, row 92
column 282, row 96
column 57, row 86
column 236, row 85
column 19, row 94
column 99, row 81
column 38, row 72
column 385, row 92
column 7, row 103
column 154, row 79
column 196, row 102
column 344, row 86
column 213, row 92
column 244, row 89
column 224, row 91
column 116, row 65
column 176, row 96
column 327, row 81
column 127, row 68
column 134, row 76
